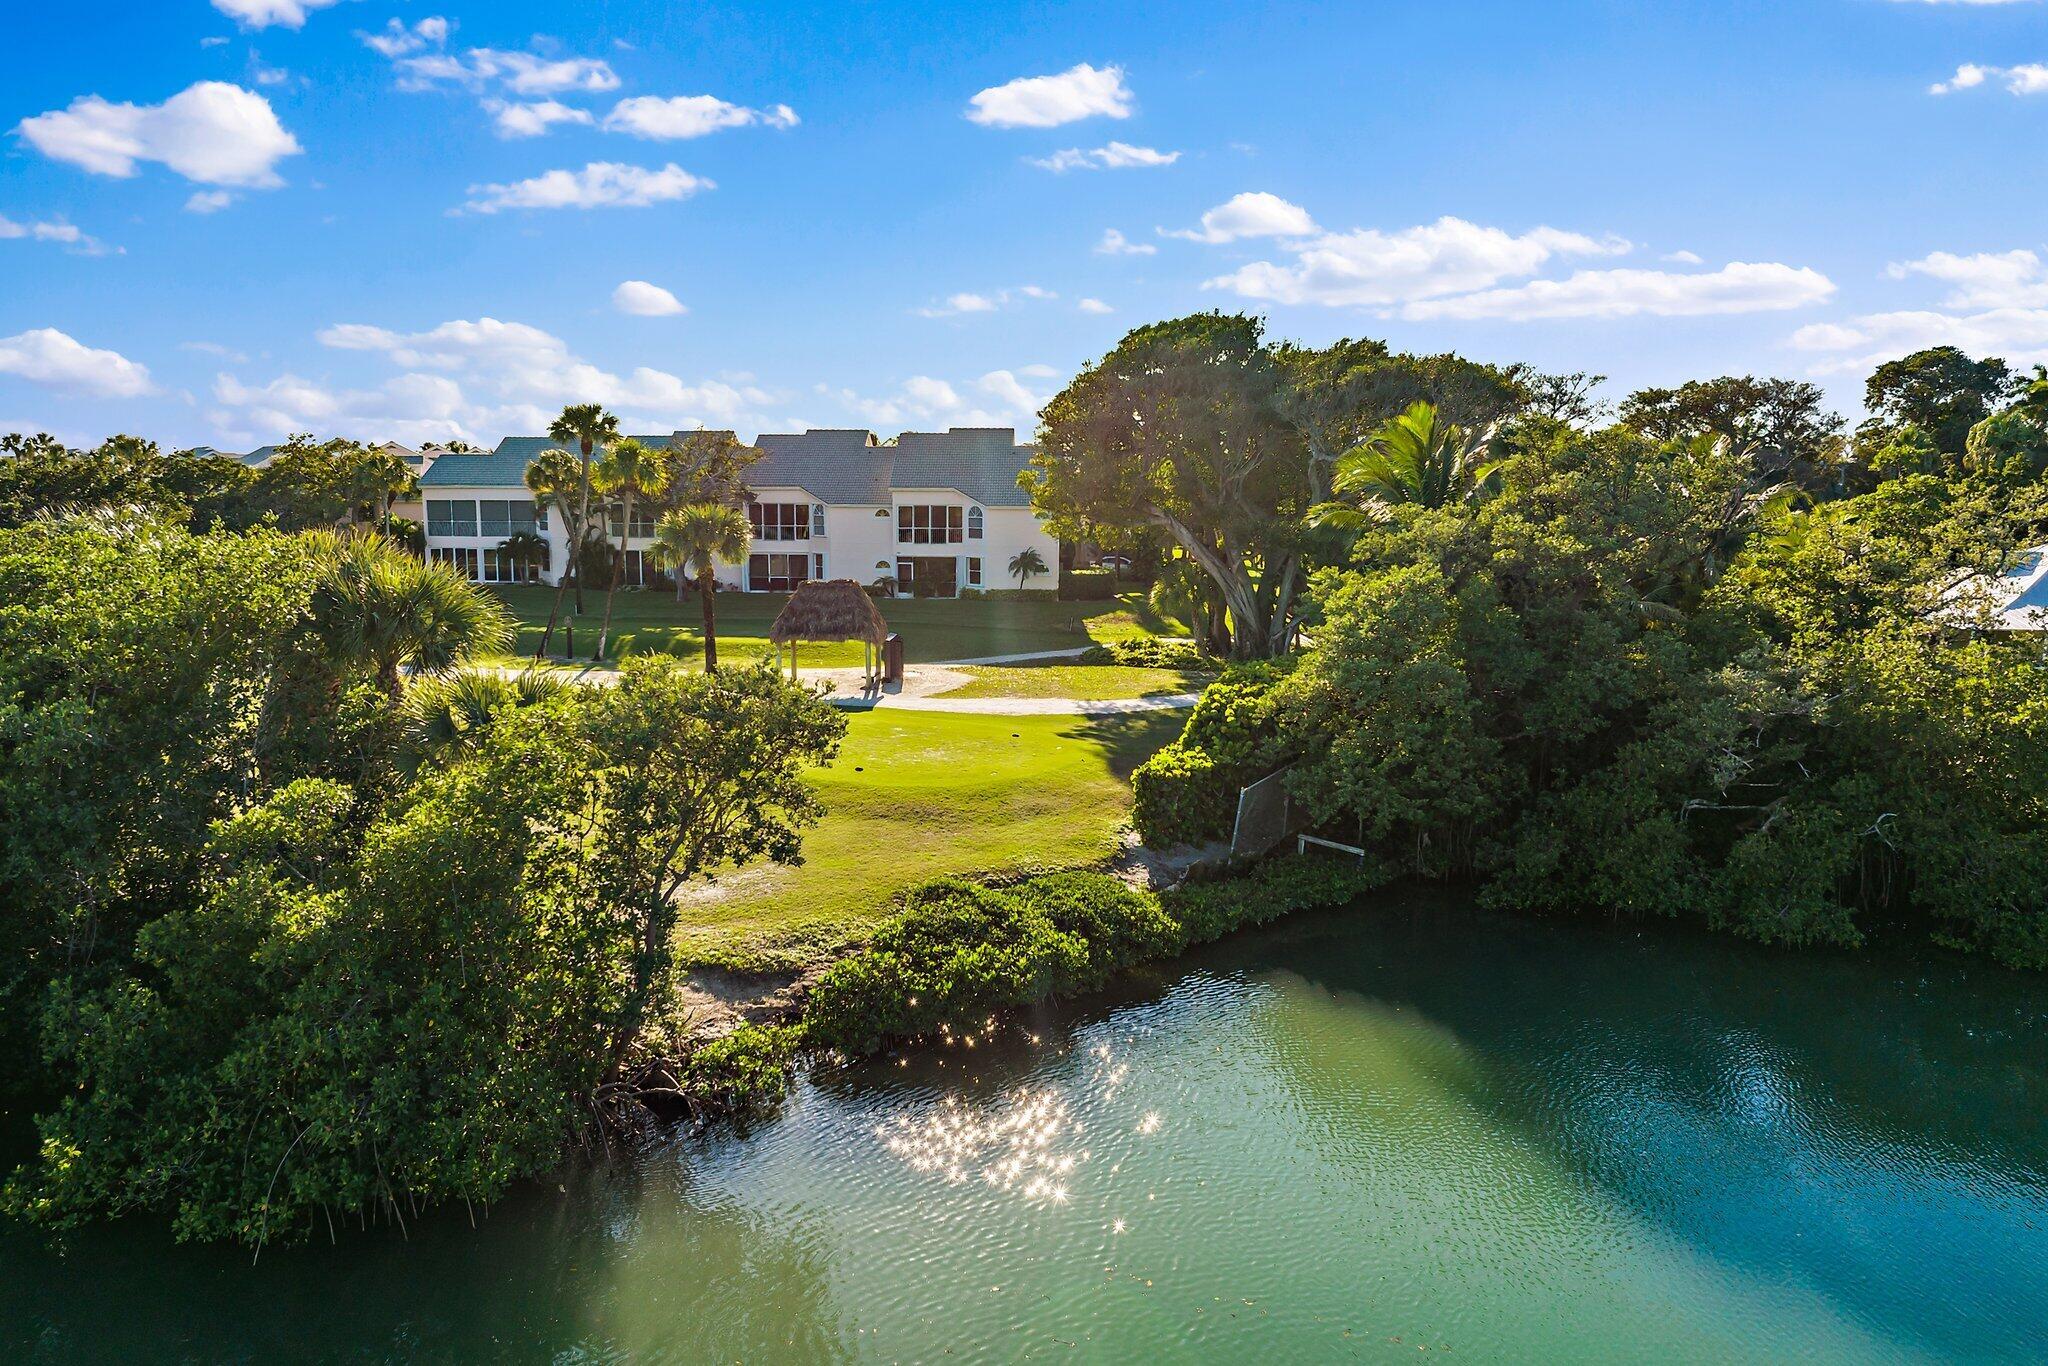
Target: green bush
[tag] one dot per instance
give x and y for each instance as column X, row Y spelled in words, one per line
column 1087, row 585
column 1180, row 796
column 748, row 1067
column 958, row 951
column 1205, row 911
column 1187, row 792
column 1149, row 654
column 1119, row 924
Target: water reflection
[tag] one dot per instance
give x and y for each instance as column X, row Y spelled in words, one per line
column 1405, row 1129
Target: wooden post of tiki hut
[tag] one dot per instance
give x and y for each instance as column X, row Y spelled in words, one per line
column 831, row 610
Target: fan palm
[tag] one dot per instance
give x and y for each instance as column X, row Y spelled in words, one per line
column 447, row 716
column 632, row 471
column 376, row 607
column 1025, row 564
column 692, row 540
column 1416, row 459
column 522, row 550
column 556, row 480
column 585, row 426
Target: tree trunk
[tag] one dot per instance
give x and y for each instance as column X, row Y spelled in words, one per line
column 705, row 584
column 604, row 632
column 554, row 612
column 1251, row 635
column 582, row 521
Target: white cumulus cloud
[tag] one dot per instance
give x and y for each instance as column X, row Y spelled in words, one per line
column 999, row 398
column 2002, row 279
column 521, row 73
column 2030, row 78
column 396, row 40
column 600, row 185
column 478, row 379
column 1114, row 243
column 1739, row 287
column 1113, row 156
column 1094, row 306
column 264, row 13
column 208, row 201
column 644, row 300
column 1252, row 214
column 212, row 132
column 677, row 117
column 955, row 304
column 67, row 235
column 1370, row 268
column 46, row 356
column 531, row 119
column 1079, row 92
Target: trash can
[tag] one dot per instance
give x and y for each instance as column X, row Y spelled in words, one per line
column 892, row 658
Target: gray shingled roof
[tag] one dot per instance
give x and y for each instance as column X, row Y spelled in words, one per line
column 832, row 464
column 254, row 459
column 504, row 467
column 837, row 465
column 981, row 462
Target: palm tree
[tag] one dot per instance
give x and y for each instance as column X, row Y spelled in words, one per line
column 692, row 540
column 447, row 716
column 630, row 470
column 1025, row 564
column 587, row 426
column 523, row 550
column 376, row 607
column 1416, row 459
column 556, row 481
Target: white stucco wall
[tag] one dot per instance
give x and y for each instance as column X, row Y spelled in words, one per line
column 857, row 537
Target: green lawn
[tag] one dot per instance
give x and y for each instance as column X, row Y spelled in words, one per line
column 1082, row 682
column 915, row 795
column 932, row 628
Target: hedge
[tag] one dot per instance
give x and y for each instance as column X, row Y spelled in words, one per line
column 959, row 952
column 1187, row 792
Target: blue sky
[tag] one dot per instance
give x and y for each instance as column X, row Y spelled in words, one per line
column 225, row 220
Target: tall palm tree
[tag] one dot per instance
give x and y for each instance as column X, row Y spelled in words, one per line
column 1416, row 459
column 586, row 426
column 376, row 607
column 1025, row 564
column 630, row 470
column 692, row 540
column 556, row 482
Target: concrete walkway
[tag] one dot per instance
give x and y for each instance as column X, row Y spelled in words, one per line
column 923, row 682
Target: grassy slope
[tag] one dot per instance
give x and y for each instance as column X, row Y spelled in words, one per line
column 932, row 629
column 1083, row 682
column 915, row 795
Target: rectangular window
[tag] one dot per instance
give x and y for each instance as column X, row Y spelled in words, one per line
column 643, row 521
column 818, row 521
column 905, row 570
column 451, row 517
column 974, row 571
column 777, row 573
column 462, row 559
column 817, row 566
column 498, row 518
column 928, row 524
column 780, row 521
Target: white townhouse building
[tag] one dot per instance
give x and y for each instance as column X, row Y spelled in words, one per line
column 937, row 511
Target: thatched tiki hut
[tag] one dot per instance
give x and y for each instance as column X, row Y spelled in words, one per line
column 831, row 610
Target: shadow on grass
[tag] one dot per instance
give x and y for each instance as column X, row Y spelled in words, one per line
column 1127, row 739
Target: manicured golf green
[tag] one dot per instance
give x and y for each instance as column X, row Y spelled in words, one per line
column 645, row 621
column 916, row 795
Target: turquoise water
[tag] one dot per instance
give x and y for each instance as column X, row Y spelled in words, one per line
column 1408, row 1129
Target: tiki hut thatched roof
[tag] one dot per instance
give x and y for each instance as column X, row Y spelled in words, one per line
column 829, row 609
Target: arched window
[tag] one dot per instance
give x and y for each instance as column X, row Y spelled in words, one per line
column 974, row 524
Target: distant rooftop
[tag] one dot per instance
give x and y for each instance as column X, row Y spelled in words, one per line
column 840, row 465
